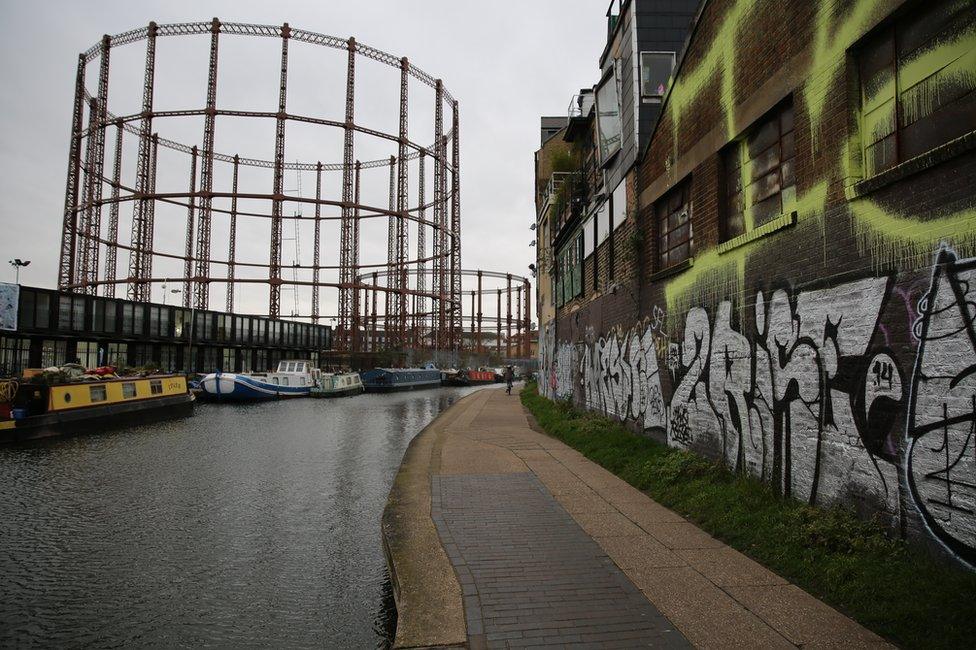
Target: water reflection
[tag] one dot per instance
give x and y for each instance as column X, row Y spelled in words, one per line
column 244, row 525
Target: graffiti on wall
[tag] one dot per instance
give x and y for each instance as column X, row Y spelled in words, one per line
column 619, row 376
column 804, row 399
column 555, row 365
column 941, row 456
column 808, row 393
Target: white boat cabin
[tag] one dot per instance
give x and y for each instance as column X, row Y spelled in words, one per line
column 297, row 372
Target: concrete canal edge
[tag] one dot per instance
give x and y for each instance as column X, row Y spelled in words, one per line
column 430, row 609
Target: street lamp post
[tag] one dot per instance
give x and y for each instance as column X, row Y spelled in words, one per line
column 17, row 263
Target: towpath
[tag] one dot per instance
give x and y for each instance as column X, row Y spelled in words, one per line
column 501, row 536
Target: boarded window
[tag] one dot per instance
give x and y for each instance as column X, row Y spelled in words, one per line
column 917, row 83
column 675, row 237
column 759, row 173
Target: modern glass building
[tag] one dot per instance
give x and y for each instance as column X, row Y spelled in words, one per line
column 55, row 327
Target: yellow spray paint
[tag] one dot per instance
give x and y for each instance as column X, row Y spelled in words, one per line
column 891, row 240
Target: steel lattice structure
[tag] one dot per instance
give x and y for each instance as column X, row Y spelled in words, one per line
column 416, row 309
column 512, row 329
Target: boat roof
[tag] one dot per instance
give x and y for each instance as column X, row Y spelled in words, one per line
column 402, row 369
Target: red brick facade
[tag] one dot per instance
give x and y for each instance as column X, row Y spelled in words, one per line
column 828, row 350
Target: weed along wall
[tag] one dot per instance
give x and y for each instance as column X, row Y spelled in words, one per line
column 821, row 332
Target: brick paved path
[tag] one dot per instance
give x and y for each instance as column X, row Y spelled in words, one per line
column 502, row 528
column 530, row 576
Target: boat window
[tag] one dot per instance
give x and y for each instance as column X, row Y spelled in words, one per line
column 128, row 390
column 284, row 381
column 274, row 379
column 97, row 393
column 156, row 386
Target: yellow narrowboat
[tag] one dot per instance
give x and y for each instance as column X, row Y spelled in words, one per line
column 64, row 409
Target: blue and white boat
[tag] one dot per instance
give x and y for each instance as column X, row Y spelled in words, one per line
column 385, row 380
column 293, row 378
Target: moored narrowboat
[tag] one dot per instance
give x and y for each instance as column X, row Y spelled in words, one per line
column 41, row 411
column 479, row 377
column 338, row 384
column 385, row 380
column 453, row 378
column 293, row 378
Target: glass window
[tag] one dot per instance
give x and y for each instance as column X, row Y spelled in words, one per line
column 179, row 318
column 608, row 117
column 154, row 321
column 43, row 313
column 138, row 315
column 127, row 318
column 78, row 313
column 760, row 182
column 674, row 228
column 917, row 86
column 111, row 307
column 97, row 393
column 87, row 353
column 164, row 322
column 155, row 387
column 98, row 315
column 14, row 355
column 64, row 313
column 655, row 74
column 128, row 390
column 167, row 357
column 230, row 360
column 25, row 309
column 202, row 320
column 118, row 354
column 222, row 327
column 53, row 353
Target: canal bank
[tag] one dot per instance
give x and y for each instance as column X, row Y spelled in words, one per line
column 524, row 541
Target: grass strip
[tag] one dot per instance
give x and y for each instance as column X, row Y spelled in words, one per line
column 886, row 585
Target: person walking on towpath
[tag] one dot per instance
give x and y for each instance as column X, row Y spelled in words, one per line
column 509, row 378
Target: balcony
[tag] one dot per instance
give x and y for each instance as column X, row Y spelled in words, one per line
column 552, row 188
column 568, row 204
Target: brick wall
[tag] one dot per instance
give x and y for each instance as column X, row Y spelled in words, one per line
column 831, row 355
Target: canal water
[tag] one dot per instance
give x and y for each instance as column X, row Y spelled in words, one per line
column 245, row 525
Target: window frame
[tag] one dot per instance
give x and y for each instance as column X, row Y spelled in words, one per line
column 609, row 80
column 648, row 98
column 905, row 143
column 738, row 150
column 682, row 188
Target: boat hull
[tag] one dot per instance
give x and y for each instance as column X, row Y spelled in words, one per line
column 95, row 419
column 339, row 392
column 228, row 387
column 389, row 380
column 395, row 388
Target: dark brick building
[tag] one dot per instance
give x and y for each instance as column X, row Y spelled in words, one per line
column 796, row 292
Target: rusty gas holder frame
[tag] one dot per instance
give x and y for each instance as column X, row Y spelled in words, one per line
column 415, row 313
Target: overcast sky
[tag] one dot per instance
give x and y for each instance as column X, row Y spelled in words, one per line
column 507, row 63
